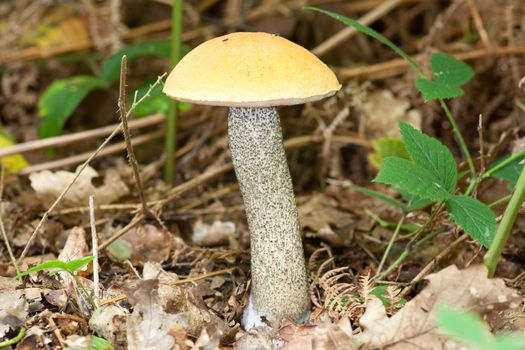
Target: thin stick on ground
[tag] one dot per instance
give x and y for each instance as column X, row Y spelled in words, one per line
column 81, row 168
column 94, row 249
column 125, row 130
column 2, row 227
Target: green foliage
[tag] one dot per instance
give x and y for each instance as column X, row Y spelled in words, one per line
column 507, row 168
column 58, row 265
column 157, row 48
column 381, row 292
column 386, row 147
column 121, row 249
column 61, row 99
column 95, row 343
column 432, row 175
column 448, row 73
column 474, row 217
column 469, row 328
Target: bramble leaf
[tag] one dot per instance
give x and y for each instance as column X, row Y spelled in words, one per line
column 430, row 154
column 412, row 178
column 475, row 217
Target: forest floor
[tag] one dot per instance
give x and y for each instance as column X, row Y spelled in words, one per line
column 173, row 271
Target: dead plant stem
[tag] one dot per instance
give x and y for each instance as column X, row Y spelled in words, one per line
column 94, row 249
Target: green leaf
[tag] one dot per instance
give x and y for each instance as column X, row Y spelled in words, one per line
column 474, row 217
column 52, row 264
column 121, row 250
column 386, row 147
column 465, row 327
column 412, row 178
column 432, row 90
column 158, row 48
column 98, row 343
column 448, row 73
column 508, row 172
column 381, row 292
column 61, row 99
column 370, row 32
column 469, row 328
column 76, row 264
column 430, row 154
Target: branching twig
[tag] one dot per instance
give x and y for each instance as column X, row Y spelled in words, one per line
column 81, row 168
column 125, row 130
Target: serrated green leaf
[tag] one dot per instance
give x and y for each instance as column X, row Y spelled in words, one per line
column 432, row 90
column 61, row 99
column 430, row 154
column 158, row 48
column 412, row 178
column 475, row 217
column 386, row 147
column 449, row 71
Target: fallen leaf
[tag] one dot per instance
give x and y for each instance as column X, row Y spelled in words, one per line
column 13, row 306
column 413, row 327
column 212, row 235
column 109, row 322
column 148, row 327
column 49, row 186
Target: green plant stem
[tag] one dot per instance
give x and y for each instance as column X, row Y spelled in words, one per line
column 500, row 201
column 503, row 163
column 390, row 245
column 84, row 290
column 505, row 226
column 171, row 121
column 459, row 137
column 14, row 340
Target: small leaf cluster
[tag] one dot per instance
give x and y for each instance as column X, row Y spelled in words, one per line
column 62, row 97
column 432, row 174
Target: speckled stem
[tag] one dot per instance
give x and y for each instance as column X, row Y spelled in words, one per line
column 279, row 280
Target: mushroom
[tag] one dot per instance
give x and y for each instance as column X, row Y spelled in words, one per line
column 252, row 73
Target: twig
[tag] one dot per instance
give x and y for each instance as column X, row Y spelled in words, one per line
column 432, row 263
column 400, row 63
column 2, row 226
column 94, row 248
column 75, row 137
column 81, row 168
column 478, row 22
column 347, row 32
column 125, row 130
column 178, row 282
column 134, row 222
column 79, row 158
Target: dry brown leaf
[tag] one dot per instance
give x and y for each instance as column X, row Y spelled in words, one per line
column 13, row 306
column 382, row 110
column 413, row 327
column 148, row 243
column 109, row 322
column 321, row 215
column 49, row 186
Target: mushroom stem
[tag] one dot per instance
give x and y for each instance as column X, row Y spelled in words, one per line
column 279, row 280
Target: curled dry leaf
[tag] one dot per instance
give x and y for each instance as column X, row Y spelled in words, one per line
column 49, row 186
column 212, row 235
column 413, row 327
